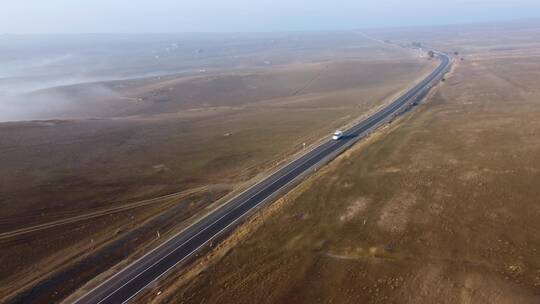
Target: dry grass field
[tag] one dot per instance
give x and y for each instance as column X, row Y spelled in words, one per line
column 78, row 190
column 439, row 207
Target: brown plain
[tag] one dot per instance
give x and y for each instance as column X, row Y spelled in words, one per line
column 441, row 207
column 213, row 133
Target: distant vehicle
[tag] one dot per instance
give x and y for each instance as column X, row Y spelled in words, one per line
column 337, row 135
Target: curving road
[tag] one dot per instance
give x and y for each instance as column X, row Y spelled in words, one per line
column 127, row 283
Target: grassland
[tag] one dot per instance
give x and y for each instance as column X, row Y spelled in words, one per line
column 139, row 139
column 440, row 207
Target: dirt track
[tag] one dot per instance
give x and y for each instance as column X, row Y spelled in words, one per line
column 98, row 213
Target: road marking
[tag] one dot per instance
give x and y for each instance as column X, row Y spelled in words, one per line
column 126, row 268
column 216, row 221
column 210, row 239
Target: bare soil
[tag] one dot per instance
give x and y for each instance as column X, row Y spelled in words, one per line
column 440, row 207
column 118, row 143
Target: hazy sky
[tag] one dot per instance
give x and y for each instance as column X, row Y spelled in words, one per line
column 76, row 16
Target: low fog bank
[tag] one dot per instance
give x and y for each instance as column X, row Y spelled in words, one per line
column 88, row 101
column 37, row 62
column 34, row 64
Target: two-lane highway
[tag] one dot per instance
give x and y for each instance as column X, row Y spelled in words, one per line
column 127, row 283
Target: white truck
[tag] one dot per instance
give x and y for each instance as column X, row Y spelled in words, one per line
column 337, row 135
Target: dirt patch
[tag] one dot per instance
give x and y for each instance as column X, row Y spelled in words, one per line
column 395, row 213
column 356, row 207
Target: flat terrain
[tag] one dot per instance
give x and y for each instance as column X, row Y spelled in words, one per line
column 78, row 185
column 439, row 207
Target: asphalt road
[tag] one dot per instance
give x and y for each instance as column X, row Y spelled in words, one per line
column 127, row 283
